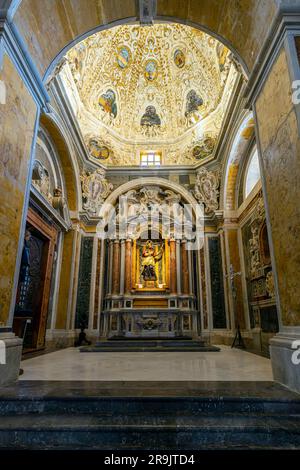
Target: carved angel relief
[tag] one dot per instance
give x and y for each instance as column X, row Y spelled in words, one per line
column 207, row 189
column 95, row 189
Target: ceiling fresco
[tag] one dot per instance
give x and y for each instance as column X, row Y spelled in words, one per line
column 134, row 88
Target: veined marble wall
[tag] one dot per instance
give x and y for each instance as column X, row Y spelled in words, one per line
column 17, row 120
column 280, row 150
column 84, row 282
column 217, row 286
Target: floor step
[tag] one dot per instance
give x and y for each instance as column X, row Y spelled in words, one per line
column 82, row 432
column 147, row 349
column 149, row 415
column 148, row 345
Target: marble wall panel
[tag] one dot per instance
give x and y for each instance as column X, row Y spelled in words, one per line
column 17, row 120
column 217, row 287
column 234, row 256
column 280, row 149
column 84, row 281
column 65, row 280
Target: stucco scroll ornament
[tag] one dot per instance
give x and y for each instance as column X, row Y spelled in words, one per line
column 270, row 286
column 255, row 263
column 207, row 189
column 95, row 189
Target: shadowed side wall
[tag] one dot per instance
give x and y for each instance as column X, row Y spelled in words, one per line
column 278, row 133
column 17, row 121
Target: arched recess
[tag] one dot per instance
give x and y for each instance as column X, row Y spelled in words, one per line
column 70, row 21
column 239, row 144
column 67, row 160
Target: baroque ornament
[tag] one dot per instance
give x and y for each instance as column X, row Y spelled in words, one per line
column 97, row 150
column 153, row 199
column 207, row 189
column 95, row 189
column 179, row 58
column 151, row 70
column 270, row 286
column 123, row 57
column 204, row 148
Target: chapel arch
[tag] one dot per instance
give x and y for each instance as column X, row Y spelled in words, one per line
column 74, row 22
column 67, row 160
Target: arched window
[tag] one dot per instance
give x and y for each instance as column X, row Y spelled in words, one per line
column 252, row 175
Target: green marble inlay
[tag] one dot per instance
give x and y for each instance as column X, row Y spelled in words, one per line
column 217, row 287
column 84, row 282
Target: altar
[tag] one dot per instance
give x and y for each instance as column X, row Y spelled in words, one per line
column 149, row 288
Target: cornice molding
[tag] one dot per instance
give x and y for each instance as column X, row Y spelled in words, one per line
column 47, row 210
column 14, row 46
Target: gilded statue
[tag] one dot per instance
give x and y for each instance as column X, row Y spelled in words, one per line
column 150, row 258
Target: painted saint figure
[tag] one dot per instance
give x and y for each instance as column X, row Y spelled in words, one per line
column 150, row 258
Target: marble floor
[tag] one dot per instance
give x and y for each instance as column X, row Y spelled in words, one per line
column 226, row 365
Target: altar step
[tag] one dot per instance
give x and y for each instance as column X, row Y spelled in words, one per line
column 156, row 416
column 149, row 345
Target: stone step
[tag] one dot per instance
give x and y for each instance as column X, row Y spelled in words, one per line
column 148, row 415
column 90, row 432
column 148, row 345
column 117, row 348
column 151, row 343
column 146, row 406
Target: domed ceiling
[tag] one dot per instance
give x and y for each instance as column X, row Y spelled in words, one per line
column 162, row 88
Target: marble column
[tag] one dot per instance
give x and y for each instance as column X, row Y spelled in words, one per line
column 191, row 274
column 173, row 271
column 278, row 137
column 128, row 266
column 116, row 268
column 178, row 266
column 101, row 280
column 110, row 265
column 184, row 268
column 122, row 267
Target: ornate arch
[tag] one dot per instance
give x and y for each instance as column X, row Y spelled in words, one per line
column 151, row 181
column 245, row 40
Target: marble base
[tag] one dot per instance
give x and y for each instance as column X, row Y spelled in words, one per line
column 284, row 371
column 9, row 372
column 60, row 339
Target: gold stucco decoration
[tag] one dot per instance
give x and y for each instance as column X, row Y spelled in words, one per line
column 119, row 73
